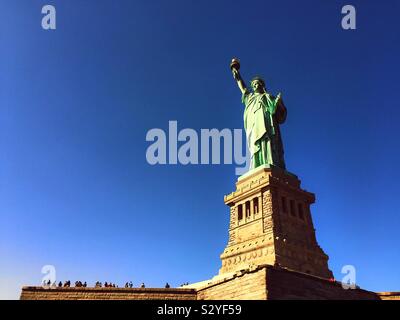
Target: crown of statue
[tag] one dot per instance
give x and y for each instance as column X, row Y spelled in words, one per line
column 257, row 78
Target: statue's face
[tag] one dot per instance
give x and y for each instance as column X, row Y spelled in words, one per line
column 257, row 86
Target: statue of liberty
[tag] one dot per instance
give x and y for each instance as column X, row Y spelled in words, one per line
column 263, row 113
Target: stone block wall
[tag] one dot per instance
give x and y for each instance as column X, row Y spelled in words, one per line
column 389, row 295
column 283, row 284
column 40, row 293
column 261, row 283
column 246, row 286
column 274, row 283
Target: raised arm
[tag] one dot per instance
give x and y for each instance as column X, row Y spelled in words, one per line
column 239, row 80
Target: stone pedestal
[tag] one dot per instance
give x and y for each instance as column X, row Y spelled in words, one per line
column 271, row 223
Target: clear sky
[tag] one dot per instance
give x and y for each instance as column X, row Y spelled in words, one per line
column 76, row 103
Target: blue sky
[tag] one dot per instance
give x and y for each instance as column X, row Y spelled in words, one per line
column 76, row 103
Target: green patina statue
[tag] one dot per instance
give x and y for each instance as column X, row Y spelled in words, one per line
column 262, row 115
